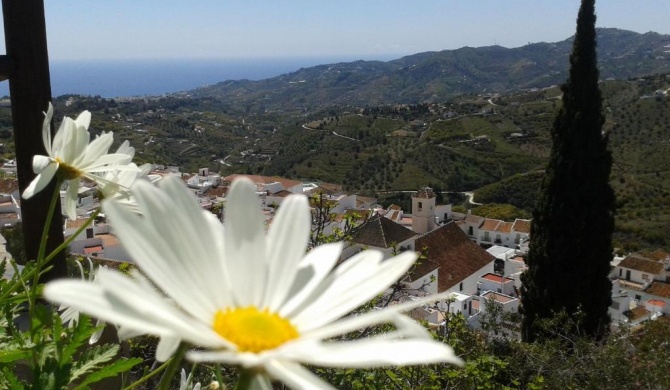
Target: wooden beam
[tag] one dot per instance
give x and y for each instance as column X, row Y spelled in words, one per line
column 5, row 67
column 30, row 92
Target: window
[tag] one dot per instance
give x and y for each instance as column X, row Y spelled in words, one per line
column 460, row 287
column 645, row 277
column 420, row 206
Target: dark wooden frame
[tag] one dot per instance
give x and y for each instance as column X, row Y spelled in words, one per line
column 26, row 66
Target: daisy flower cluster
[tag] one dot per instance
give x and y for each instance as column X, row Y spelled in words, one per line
column 236, row 294
column 71, row 156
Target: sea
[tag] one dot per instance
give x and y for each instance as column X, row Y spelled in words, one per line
column 123, row 78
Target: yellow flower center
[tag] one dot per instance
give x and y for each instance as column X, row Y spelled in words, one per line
column 67, row 172
column 253, row 330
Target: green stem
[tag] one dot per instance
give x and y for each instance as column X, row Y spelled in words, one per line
column 43, row 244
column 39, row 263
column 245, row 379
column 148, row 376
column 15, row 286
column 219, row 376
column 72, row 237
column 172, row 367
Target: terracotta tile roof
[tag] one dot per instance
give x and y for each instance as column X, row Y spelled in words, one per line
column 9, row 185
column 659, row 289
column 521, row 226
column 637, row 313
column 108, row 239
column 332, row 187
column 364, row 199
column 474, row 219
column 504, row 227
column 452, row 253
column 497, row 297
column 490, row 224
column 93, row 249
column 639, row 263
column 218, row 191
column 658, row 255
column 393, row 215
column 656, row 302
column 75, row 224
column 381, row 232
column 357, row 215
column 282, row 193
column 497, row 278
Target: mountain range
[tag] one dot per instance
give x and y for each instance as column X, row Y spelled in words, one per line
column 436, row 76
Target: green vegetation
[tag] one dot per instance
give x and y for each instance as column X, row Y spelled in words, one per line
column 520, row 190
column 506, row 212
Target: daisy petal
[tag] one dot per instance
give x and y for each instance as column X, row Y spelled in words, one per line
column 41, row 162
column 287, row 238
column 166, row 348
column 162, row 239
column 368, row 353
column 295, row 376
column 132, row 297
column 371, row 318
column 83, row 119
column 71, row 197
column 245, row 242
column 91, row 299
column 260, row 382
column 96, row 149
column 245, row 360
column 365, row 277
column 40, row 181
column 314, row 268
column 46, row 128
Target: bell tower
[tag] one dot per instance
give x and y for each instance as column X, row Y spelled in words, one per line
column 423, row 210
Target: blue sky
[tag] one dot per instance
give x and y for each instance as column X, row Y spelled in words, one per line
column 347, row 29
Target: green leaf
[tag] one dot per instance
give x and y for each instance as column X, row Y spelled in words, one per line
column 80, row 335
column 10, row 380
column 93, row 358
column 7, row 356
column 119, row 366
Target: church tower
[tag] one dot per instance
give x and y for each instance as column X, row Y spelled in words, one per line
column 423, row 210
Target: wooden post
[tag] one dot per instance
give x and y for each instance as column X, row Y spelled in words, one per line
column 30, row 92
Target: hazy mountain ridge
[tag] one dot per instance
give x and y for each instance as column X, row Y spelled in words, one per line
column 436, row 76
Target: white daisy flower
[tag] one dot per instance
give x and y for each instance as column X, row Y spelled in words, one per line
column 245, row 298
column 117, row 184
column 71, row 156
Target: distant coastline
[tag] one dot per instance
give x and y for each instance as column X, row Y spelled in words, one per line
column 115, row 78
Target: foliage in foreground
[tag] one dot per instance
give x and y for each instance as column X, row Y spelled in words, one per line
column 39, row 352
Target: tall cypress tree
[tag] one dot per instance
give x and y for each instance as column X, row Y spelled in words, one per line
column 571, row 233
